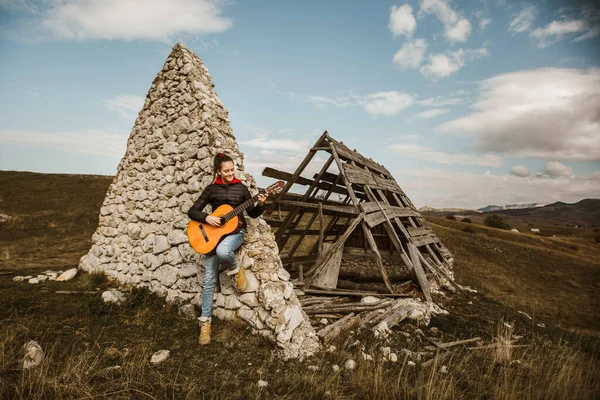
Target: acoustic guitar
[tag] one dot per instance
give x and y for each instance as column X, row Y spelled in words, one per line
column 204, row 237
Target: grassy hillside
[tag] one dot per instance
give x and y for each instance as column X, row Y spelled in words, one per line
column 94, row 350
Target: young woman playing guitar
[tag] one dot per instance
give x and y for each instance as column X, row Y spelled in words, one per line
column 226, row 189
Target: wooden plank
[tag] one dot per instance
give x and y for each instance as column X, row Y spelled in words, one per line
column 421, row 277
column 347, row 154
column 419, row 231
column 299, row 259
column 351, row 210
column 388, row 184
column 340, row 242
column 328, row 276
column 377, row 217
column 371, row 206
column 358, row 175
column 285, row 176
column 352, row 293
column 423, row 240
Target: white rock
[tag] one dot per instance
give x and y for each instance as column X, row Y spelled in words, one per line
column 188, row 271
column 331, row 349
column 335, row 367
column 113, row 297
column 443, row 369
column 249, row 299
column 187, row 311
column 386, row 351
column 18, row 279
column 313, row 368
column 350, row 365
column 33, row 281
column 42, row 278
column 160, row 356
column 393, row 357
column 232, row 302
column 67, row 275
column 366, row 356
column 161, row 243
column 324, row 321
column 176, row 237
column 283, row 274
column 34, row 355
column 410, row 363
column 370, row 300
column 262, row 384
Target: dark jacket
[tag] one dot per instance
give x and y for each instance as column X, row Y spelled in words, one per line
column 217, row 194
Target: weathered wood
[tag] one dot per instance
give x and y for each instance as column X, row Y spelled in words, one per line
column 341, row 292
column 378, row 217
column 439, row 357
column 358, row 175
column 77, row 292
column 328, row 276
column 393, row 319
column 423, row 240
column 419, row 231
column 345, row 308
column 333, row 330
column 455, row 343
column 423, row 282
column 350, row 210
column 348, row 154
column 299, row 259
column 321, row 229
column 321, row 264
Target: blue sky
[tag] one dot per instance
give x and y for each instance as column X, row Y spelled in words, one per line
column 467, row 103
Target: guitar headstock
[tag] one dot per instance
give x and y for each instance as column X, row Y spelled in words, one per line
column 275, row 188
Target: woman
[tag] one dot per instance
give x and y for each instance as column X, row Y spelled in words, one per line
column 226, row 189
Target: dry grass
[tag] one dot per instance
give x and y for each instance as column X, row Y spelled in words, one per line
column 84, row 339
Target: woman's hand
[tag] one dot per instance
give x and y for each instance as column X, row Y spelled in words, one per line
column 214, row 221
column 261, row 198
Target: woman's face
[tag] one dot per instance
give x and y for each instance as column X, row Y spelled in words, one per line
column 227, row 172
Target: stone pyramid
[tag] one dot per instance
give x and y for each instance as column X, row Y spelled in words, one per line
column 141, row 238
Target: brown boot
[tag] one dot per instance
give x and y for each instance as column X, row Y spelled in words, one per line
column 204, row 332
column 241, row 283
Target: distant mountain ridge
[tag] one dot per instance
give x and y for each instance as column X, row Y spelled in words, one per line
column 511, row 207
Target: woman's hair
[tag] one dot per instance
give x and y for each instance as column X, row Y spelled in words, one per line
column 220, row 159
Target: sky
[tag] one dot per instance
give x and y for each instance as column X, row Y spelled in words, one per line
column 466, row 103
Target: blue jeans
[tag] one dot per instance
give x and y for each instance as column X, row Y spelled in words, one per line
column 225, row 254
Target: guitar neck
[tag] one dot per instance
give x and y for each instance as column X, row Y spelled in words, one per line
column 240, row 209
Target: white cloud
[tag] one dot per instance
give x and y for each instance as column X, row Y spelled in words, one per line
column 387, row 103
column 92, row 142
column 380, row 103
column 587, row 25
column 270, row 144
column 455, row 98
column 126, row 105
column 411, row 54
column 443, row 65
column 159, row 20
column 550, row 113
column 483, row 23
column 457, row 28
column 402, row 21
column 431, row 113
column 555, row 31
column 523, row 21
column 444, row 188
column 555, row 169
column 519, row 170
column 429, row 154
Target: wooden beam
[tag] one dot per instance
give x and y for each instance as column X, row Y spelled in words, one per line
column 421, row 277
column 376, row 218
column 328, row 254
column 350, row 210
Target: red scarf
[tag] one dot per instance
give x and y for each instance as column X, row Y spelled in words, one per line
column 218, row 181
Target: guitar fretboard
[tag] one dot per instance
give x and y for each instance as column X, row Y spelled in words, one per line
column 239, row 209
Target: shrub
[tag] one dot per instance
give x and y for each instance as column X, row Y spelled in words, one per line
column 468, row 220
column 496, row 221
column 451, row 217
column 468, row 229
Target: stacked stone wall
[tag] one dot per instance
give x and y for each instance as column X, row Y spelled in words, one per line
column 141, row 239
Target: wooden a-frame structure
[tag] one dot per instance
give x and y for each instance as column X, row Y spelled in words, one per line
column 371, row 212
